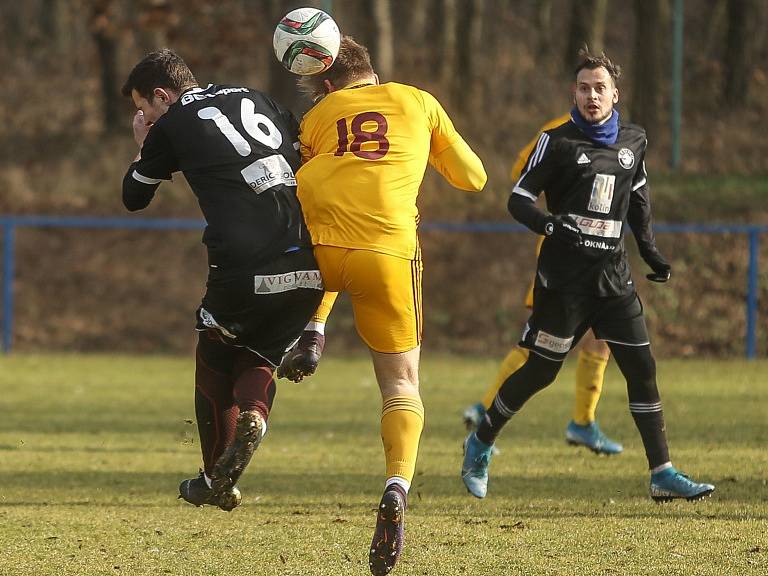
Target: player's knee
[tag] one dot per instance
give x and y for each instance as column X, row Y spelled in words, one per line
column 540, row 370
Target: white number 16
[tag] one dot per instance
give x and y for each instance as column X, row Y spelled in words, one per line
column 258, row 126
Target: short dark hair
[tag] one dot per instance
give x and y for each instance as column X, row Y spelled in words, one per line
column 592, row 61
column 352, row 63
column 161, row 69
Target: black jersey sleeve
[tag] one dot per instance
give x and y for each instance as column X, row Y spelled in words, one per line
column 639, row 215
column 537, row 175
column 156, row 163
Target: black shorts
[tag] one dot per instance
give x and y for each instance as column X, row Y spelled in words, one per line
column 560, row 319
column 266, row 309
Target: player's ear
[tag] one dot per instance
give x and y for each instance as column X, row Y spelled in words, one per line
column 329, row 87
column 615, row 95
column 162, row 95
column 376, row 79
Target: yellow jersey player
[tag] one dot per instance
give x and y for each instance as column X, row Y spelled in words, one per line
column 592, row 360
column 365, row 147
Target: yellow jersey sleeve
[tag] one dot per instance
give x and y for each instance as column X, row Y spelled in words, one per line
column 522, row 157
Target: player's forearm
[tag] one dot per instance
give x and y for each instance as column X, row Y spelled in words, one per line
column 137, row 194
column 461, row 167
column 524, row 210
column 641, row 221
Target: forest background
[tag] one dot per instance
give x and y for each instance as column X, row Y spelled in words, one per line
column 500, row 68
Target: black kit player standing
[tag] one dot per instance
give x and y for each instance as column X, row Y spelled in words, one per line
column 592, row 172
column 238, row 151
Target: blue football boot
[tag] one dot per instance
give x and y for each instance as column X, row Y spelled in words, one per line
column 474, row 468
column 669, row 484
column 473, row 415
column 592, row 437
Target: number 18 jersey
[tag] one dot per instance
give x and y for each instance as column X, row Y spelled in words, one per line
column 365, row 149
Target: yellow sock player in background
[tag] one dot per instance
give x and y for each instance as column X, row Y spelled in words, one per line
column 592, row 361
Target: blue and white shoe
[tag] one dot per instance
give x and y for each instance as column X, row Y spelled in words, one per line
column 670, row 484
column 592, row 437
column 473, row 415
column 474, row 468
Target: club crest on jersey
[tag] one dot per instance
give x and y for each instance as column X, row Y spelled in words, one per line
column 626, row 158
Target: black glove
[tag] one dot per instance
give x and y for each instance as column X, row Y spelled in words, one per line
column 661, row 268
column 563, row 229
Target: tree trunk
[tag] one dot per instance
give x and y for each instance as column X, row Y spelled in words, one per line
column 467, row 80
column 587, row 29
column 647, row 64
column 448, row 52
column 104, row 32
column 737, row 62
column 385, row 49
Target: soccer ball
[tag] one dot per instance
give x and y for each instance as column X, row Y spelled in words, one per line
column 306, row 41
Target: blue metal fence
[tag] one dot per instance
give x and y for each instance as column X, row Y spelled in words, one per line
column 9, row 224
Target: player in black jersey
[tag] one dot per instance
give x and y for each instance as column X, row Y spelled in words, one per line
column 592, row 172
column 238, row 151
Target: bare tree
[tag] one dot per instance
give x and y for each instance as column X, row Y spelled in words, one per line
column 104, row 32
column 385, row 49
column 467, row 83
column 448, row 27
column 737, row 59
column 587, row 27
column 647, row 64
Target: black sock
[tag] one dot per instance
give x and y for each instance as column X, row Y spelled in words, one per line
column 653, row 433
column 639, row 368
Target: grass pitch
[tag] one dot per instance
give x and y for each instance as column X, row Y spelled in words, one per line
column 92, row 450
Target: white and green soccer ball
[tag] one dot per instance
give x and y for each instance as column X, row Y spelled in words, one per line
column 306, row 41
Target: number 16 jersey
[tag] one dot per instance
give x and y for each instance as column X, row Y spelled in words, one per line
column 365, row 149
column 238, row 150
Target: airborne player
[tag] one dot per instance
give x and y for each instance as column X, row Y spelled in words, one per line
column 365, row 148
column 236, row 148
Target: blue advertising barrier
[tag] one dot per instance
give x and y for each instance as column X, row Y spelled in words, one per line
column 10, row 223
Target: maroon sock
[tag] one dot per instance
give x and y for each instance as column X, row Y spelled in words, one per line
column 254, row 385
column 215, row 410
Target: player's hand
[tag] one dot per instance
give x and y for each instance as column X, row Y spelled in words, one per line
column 564, row 229
column 661, row 268
column 140, row 128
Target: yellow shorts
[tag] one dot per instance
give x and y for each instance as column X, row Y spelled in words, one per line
column 385, row 292
column 529, row 294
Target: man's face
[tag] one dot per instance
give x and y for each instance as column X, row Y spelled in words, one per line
column 595, row 94
column 154, row 109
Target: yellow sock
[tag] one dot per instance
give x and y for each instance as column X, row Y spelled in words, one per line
column 402, row 419
column 516, row 358
column 324, row 308
column 589, row 383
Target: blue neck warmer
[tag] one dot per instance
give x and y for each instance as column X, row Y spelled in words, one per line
column 605, row 133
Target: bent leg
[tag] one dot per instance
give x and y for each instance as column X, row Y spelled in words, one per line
column 511, row 363
column 215, row 408
column 254, row 386
column 536, row 374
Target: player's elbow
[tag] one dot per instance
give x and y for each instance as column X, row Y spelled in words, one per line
column 135, row 197
column 476, row 179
